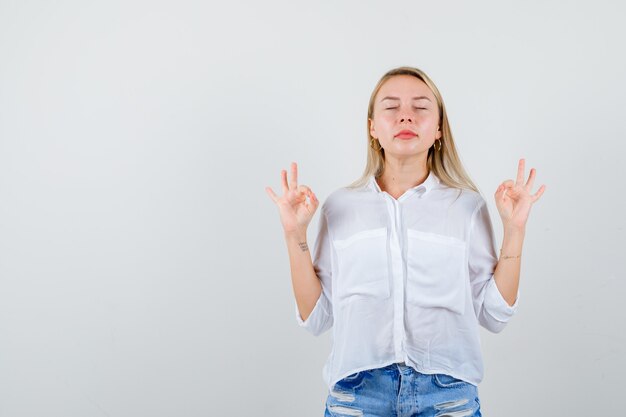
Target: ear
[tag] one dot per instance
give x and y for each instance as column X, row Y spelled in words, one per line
column 372, row 130
column 439, row 133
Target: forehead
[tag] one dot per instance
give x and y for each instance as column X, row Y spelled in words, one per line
column 404, row 87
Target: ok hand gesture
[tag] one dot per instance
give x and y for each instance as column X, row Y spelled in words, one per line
column 514, row 200
column 295, row 212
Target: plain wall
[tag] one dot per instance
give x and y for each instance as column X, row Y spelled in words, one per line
column 143, row 270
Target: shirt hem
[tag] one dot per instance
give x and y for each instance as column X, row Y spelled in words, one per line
column 418, row 368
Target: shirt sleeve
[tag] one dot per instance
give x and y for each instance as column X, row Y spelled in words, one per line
column 492, row 310
column 321, row 317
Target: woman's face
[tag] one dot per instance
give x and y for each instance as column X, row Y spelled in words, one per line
column 405, row 102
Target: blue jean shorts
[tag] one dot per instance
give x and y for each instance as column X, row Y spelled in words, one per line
column 399, row 390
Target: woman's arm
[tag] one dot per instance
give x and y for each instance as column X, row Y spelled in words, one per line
column 308, row 276
column 306, row 285
column 507, row 270
column 514, row 201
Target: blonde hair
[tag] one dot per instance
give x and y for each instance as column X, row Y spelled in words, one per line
column 444, row 163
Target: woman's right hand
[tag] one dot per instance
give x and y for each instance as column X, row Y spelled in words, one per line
column 295, row 212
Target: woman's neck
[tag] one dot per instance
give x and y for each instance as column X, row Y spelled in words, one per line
column 400, row 175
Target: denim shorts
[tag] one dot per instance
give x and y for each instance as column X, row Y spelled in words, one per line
column 399, row 390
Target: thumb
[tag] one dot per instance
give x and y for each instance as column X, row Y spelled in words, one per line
column 313, row 198
column 500, row 192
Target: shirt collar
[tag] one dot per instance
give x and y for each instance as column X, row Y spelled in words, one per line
column 429, row 183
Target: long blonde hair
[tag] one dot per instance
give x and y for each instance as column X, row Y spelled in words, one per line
column 444, row 163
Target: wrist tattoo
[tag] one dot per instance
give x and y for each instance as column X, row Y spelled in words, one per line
column 303, row 246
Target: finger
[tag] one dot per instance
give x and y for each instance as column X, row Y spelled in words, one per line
column 539, row 193
column 531, row 179
column 520, row 172
column 508, row 184
column 500, row 192
column 497, row 194
column 304, row 189
column 301, row 192
column 283, row 176
column 293, row 184
column 314, row 199
column 312, row 206
column 272, row 194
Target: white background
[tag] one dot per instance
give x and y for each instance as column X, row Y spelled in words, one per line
column 143, row 270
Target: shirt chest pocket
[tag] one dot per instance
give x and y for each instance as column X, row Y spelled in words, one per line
column 362, row 265
column 436, row 271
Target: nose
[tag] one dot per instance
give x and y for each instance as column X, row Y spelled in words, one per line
column 404, row 116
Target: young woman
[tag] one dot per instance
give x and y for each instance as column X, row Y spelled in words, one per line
column 404, row 267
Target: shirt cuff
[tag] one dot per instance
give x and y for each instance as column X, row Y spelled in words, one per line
column 305, row 323
column 496, row 305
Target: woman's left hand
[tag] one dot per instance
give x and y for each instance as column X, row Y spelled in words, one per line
column 513, row 199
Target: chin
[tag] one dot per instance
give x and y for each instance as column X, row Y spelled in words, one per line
column 406, row 153
column 409, row 149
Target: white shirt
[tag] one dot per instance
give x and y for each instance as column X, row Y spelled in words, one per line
column 406, row 280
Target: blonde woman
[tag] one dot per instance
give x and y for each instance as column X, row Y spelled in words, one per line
column 404, row 267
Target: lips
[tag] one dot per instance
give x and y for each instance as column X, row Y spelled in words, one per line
column 405, row 134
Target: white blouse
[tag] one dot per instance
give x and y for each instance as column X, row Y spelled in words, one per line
column 406, row 280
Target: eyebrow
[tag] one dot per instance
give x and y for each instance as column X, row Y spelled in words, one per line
column 396, row 98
